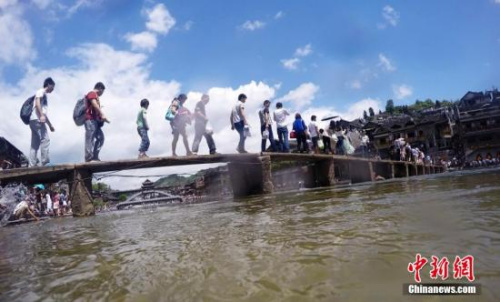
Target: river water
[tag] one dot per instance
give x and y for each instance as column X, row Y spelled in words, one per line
column 336, row 244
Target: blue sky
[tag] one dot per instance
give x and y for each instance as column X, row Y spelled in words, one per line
column 318, row 57
column 438, row 49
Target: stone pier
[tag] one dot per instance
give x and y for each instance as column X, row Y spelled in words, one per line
column 251, row 176
column 80, row 193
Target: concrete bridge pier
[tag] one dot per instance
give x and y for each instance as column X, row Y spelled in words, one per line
column 361, row 171
column 251, row 176
column 80, row 193
column 400, row 169
column 325, row 173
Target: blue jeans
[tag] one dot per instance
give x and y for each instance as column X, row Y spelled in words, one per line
column 39, row 141
column 271, row 138
column 143, row 133
column 283, row 138
column 94, row 139
column 240, row 127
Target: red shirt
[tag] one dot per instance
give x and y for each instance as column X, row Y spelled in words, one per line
column 90, row 113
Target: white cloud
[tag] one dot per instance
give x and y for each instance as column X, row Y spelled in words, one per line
column 142, row 41
column 79, row 4
column 188, row 25
column 280, row 15
column 126, row 76
column 302, row 96
column 356, row 84
column 390, row 15
column 159, row 19
column 290, row 64
column 497, row 1
column 253, row 25
column 385, row 63
column 402, row 91
column 303, row 51
column 42, row 4
column 18, row 47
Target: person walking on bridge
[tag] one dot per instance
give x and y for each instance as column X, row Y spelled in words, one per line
column 200, row 126
column 239, row 121
column 143, row 127
column 266, row 128
column 38, row 121
column 181, row 120
column 94, row 121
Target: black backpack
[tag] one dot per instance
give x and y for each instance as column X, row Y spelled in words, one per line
column 27, row 110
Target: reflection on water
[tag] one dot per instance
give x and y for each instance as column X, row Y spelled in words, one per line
column 332, row 244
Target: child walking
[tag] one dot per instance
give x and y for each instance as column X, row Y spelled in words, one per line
column 143, row 127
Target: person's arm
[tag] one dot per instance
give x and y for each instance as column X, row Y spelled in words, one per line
column 38, row 108
column 231, row 121
column 145, row 119
column 274, row 116
column 49, row 124
column 242, row 110
column 96, row 107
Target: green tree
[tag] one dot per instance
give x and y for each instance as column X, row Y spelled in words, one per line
column 389, row 107
column 372, row 113
column 365, row 115
column 122, row 197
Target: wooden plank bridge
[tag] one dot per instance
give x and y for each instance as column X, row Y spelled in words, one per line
column 249, row 173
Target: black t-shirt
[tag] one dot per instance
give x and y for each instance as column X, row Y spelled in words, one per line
column 200, row 108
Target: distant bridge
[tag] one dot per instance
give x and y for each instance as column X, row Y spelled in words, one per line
column 249, row 173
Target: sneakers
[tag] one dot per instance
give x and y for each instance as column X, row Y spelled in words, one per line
column 194, row 153
column 142, row 155
column 215, row 153
column 242, row 151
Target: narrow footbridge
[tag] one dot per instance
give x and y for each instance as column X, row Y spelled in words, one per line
column 249, row 173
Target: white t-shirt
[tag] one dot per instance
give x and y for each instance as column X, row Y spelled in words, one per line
column 312, row 129
column 237, row 112
column 280, row 117
column 39, row 94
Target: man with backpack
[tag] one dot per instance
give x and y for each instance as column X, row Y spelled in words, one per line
column 38, row 121
column 94, row 120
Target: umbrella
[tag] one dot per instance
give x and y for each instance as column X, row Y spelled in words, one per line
column 40, row 186
column 329, row 118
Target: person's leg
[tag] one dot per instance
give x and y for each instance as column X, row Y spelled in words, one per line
column 271, row 139
column 198, row 134
column 210, row 143
column 286, row 142
column 185, row 140
column 99, row 142
column 90, row 129
column 35, row 142
column 44, row 144
column 241, row 131
column 174, row 142
column 281, row 146
column 263, row 140
column 299, row 141
column 315, row 144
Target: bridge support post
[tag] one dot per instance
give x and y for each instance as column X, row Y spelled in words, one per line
column 251, row 176
column 325, row 173
column 80, row 193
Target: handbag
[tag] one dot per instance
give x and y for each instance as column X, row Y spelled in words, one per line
column 293, row 134
column 265, row 134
